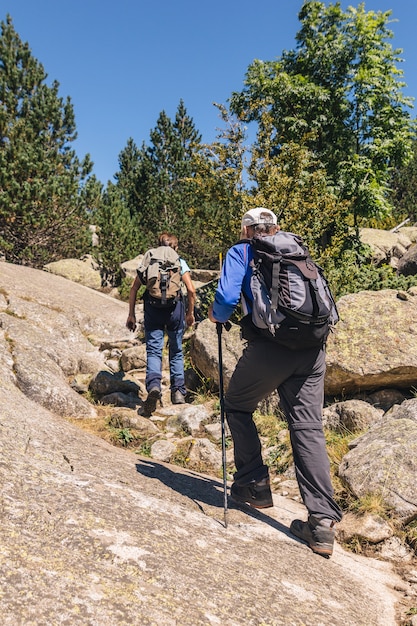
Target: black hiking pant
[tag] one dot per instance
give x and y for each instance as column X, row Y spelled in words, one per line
column 298, row 376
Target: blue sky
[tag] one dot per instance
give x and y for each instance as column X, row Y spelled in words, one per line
column 124, row 61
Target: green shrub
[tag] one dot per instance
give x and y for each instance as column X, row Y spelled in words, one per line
column 353, row 274
column 124, row 289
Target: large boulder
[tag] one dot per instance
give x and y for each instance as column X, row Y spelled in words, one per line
column 387, row 246
column 83, row 271
column 48, row 329
column 47, row 350
column 97, row 315
column 95, row 534
column 205, row 350
column 410, row 232
column 405, row 410
column 384, row 461
column 130, row 267
column 374, row 344
column 407, row 265
column 351, row 415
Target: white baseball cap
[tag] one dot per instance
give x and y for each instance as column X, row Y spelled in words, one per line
column 259, row 215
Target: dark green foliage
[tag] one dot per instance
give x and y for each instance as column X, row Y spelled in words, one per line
column 295, row 184
column 42, row 214
column 350, row 276
column 339, row 94
column 404, row 189
column 204, row 297
column 124, row 288
column 119, row 235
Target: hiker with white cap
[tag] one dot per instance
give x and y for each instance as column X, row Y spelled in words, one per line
column 297, row 375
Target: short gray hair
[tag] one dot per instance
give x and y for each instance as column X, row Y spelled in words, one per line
column 264, row 229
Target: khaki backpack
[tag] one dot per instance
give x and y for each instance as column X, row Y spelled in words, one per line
column 160, row 271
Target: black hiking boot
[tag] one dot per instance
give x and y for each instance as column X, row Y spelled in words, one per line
column 318, row 534
column 150, row 404
column 256, row 494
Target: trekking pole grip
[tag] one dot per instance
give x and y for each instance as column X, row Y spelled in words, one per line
column 219, row 326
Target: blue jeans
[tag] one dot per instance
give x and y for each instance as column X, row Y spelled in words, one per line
column 158, row 321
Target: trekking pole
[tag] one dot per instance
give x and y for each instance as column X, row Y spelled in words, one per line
column 219, row 328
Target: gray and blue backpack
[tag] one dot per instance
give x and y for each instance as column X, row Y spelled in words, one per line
column 292, row 301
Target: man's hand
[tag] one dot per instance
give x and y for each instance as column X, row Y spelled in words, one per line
column 131, row 322
column 226, row 325
column 190, row 319
column 210, row 314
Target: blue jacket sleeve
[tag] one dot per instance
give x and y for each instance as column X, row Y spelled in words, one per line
column 234, row 278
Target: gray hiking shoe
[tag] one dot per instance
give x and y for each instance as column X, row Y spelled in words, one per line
column 150, row 404
column 177, row 397
column 319, row 534
column 256, row 494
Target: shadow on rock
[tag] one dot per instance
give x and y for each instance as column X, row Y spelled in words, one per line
column 205, row 490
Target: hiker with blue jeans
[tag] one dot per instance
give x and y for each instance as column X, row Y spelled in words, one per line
column 298, row 376
column 158, row 321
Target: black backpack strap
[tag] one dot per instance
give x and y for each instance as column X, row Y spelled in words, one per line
column 276, row 267
column 314, row 290
column 245, row 295
column 164, row 282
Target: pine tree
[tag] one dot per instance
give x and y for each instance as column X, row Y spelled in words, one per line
column 127, row 176
column 157, row 180
column 119, row 236
column 42, row 215
column 178, row 184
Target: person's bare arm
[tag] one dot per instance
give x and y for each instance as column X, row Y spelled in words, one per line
column 189, row 285
column 131, row 319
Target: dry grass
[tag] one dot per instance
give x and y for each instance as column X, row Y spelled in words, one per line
column 99, row 425
column 372, row 503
